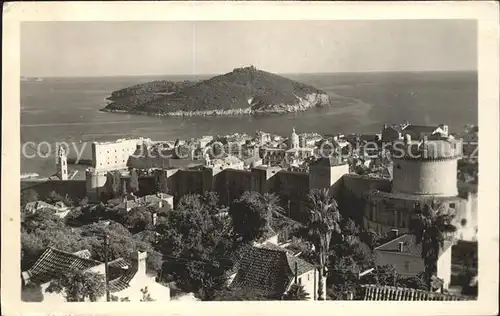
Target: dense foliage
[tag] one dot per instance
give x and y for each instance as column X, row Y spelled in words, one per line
column 197, row 245
column 250, row 216
column 229, row 91
column 79, row 286
column 85, row 230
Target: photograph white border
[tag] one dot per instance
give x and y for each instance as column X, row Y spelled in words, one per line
column 486, row 13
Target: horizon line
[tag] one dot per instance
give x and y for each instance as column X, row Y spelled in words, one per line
column 278, row 73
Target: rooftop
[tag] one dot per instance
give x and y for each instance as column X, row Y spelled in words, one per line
column 420, row 129
column 52, row 263
column 268, row 271
column 410, row 246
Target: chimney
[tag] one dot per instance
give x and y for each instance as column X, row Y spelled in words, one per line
column 395, row 233
column 400, row 246
column 139, row 262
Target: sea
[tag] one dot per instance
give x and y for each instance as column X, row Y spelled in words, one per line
column 67, row 110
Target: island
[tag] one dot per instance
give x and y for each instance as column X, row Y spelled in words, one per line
column 244, row 91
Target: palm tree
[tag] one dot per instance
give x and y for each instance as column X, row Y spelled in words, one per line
column 432, row 227
column 272, row 202
column 277, row 213
column 296, row 293
column 322, row 221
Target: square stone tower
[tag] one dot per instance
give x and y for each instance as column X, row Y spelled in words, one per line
column 327, row 173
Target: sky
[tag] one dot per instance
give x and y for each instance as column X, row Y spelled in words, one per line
column 80, row 49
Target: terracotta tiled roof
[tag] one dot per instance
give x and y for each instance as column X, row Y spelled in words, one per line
column 52, row 263
column 119, row 263
column 410, row 246
column 389, row 293
column 268, row 272
column 122, row 282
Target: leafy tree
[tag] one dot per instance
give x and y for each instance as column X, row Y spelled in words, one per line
column 431, row 227
column 34, row 243
column 44, row 219
column 28, row 196
column 250, row 216
column 134, row 181
column 121, row 243
column 210, row 201
column 349, row 227
column 138, row 219
column 296, row 293
column 197, row 247
column 342, row 277
column 78, row 286
column 322, row 220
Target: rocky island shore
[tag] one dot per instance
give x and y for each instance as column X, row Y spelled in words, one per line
column 244, row 91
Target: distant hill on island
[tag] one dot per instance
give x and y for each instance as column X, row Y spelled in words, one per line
column 242, row 91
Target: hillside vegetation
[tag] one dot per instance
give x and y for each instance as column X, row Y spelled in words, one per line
column 247, row 89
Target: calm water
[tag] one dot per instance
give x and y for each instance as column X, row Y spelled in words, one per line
column 66, row 109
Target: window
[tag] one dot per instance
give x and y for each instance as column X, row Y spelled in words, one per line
column 398, row 166
column 300, row 280
column 452, row 205
column 308, row 277
column 407, row 265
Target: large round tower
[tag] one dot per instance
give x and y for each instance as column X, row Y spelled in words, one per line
column 426, row 167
